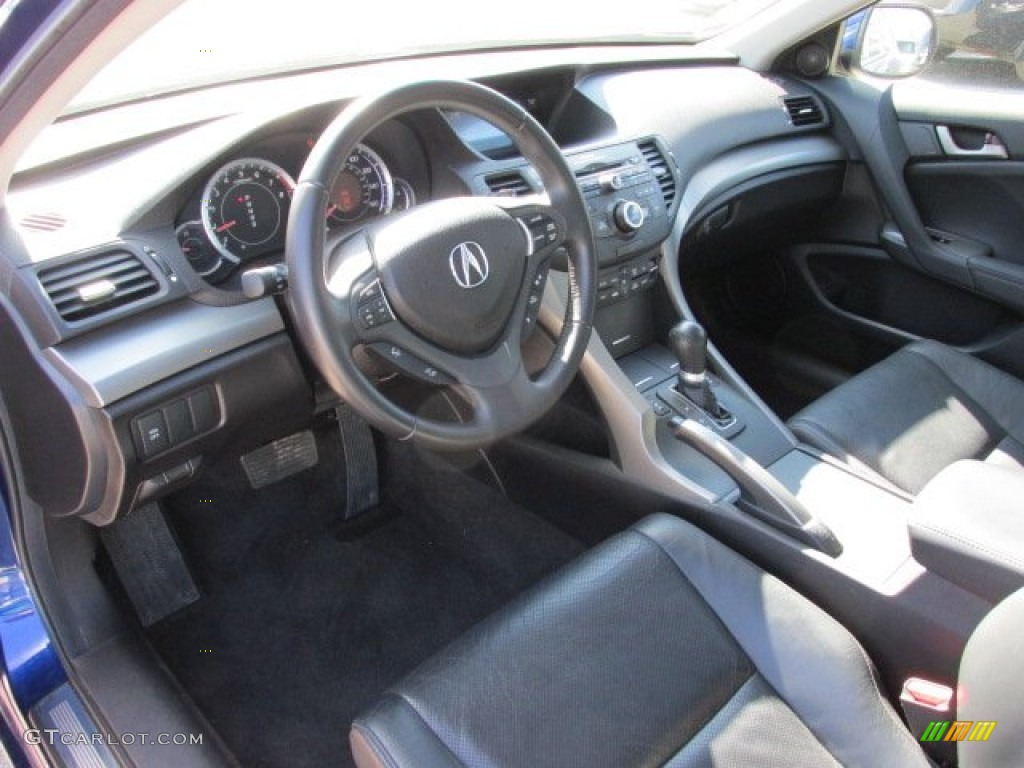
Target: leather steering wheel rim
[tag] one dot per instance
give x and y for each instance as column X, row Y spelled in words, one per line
column 328, row 277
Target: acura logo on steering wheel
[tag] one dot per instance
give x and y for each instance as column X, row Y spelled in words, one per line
column 469, row 264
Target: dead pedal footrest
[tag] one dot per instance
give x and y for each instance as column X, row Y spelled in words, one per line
column 280, row 459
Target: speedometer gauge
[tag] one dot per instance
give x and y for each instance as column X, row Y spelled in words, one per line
column 245, row 207
column 363, row 187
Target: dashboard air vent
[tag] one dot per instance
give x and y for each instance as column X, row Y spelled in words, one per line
column 511, row 184
column 98, row 284
column 658, row 164
column 804, row 110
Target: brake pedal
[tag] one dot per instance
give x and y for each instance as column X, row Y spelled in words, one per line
column 362, row 482
column 150, row 564
column 280, row 459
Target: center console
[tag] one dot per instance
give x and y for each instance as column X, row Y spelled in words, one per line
column 685, row 425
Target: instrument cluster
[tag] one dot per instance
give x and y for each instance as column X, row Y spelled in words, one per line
column 240, row 214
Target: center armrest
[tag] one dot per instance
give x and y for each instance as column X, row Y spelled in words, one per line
column 967, row 525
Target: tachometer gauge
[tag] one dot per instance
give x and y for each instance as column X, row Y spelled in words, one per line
column 363, row 187
column 405, row 198
column 245, row 207
column 204, row 258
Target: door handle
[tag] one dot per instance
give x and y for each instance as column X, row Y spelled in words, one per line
column 992, row 148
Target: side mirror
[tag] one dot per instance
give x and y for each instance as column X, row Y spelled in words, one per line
column 893, row 40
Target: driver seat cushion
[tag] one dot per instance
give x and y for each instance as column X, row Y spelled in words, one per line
column 659, row 647
column 904, row 420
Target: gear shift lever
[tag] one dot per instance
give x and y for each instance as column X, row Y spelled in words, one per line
column 689, row 342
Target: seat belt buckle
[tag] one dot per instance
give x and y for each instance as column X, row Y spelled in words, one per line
column 919, row 692
column 926, row 704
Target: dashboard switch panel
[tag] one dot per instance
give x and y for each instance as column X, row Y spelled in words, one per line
column 152, row 434
column 619, row 283
column 175, row 422
column 203, row 405
column 179, row 421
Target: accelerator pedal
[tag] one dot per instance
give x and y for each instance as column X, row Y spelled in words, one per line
column 280, row 459
column 150, row 564
column 362, row 481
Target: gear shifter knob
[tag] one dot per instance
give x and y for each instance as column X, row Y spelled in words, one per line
column 689, row 342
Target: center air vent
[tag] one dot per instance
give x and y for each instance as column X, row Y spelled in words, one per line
column 658, row 164
column 511, row 184
column 97, row 284
column 804, row 110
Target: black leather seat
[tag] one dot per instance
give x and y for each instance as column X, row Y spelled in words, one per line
column 921, row 409
column 659, row 647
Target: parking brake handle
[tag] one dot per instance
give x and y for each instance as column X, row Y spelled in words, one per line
column 761, row 494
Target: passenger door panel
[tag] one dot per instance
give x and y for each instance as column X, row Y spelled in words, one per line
column 965, row 178
column 952, row 225
column 980, row 200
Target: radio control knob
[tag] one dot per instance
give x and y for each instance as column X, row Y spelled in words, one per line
column 628, row 215
column 611, row 182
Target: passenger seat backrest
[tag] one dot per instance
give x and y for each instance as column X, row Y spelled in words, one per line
column 991, row 687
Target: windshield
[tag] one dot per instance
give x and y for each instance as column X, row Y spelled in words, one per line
column 210, row 41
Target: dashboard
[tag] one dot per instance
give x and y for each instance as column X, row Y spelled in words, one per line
column 128, row 275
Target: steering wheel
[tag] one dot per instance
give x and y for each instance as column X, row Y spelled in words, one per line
column 447, row 290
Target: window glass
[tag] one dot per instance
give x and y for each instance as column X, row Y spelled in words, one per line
column 210, row 41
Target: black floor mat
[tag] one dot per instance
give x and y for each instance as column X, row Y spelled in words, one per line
column 298, row 630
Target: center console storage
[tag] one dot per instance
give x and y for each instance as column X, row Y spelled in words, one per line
column 967, row 526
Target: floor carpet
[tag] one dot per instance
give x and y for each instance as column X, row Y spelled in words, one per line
column 299, row 629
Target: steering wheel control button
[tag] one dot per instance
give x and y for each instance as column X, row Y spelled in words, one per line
column 410, row 364
column 535, row 297
column 543, row 230
column 539, row 279
column 375, row 313
column 372, row 306
column 369, row 293
column 152, row 434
